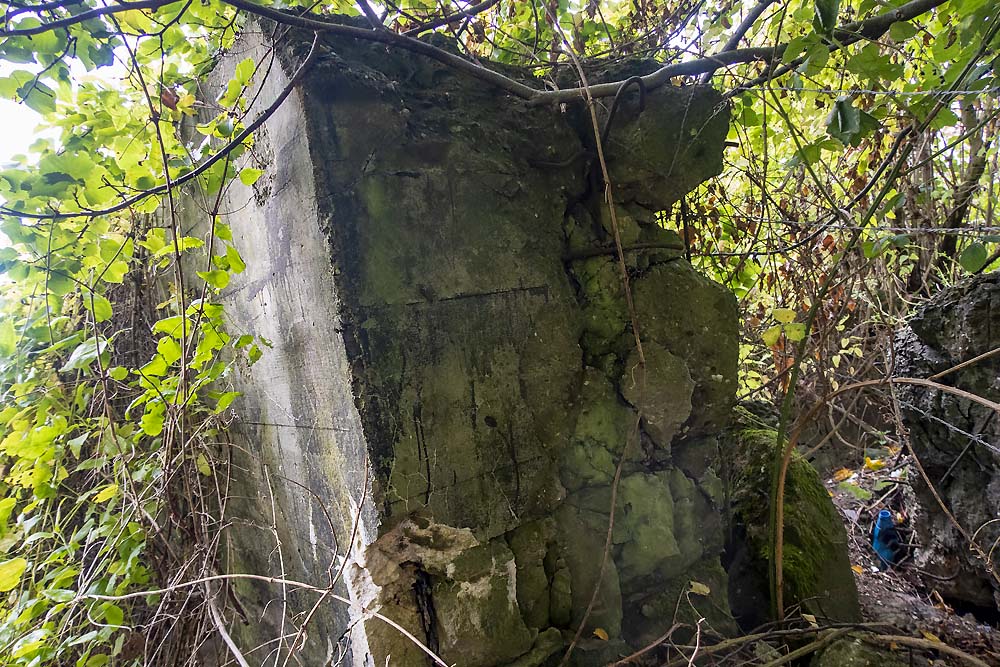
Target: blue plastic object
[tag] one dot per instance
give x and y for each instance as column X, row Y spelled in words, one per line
column 885, row 539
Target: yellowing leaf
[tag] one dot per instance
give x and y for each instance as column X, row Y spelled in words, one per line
column 699, row 588
column 930, row 636
column 249, row 175
column 842, row 474
column 106, row 494
column 857, row 569
column 784, row 315
column 772, row 335
column 874, row 464
column 10, row 573
column 601, row 634
column 811, row 620
column 795, row 331
column 202, row 463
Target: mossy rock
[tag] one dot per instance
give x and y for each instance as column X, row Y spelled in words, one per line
column 817, row 569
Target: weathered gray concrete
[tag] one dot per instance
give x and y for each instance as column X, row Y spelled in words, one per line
column 452, row 353
column 956, row 440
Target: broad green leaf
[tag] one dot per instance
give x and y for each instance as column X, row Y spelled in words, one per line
column 8, row 337
column 84, row 354
column 216, row 278
column 825, row 20
column 113, row 614
column 115, row 272
column 226, row 400
column 844, row 121
column 152, row 420
column 771, row 335
column 236, row 264
column 783, row 315
column 902, row 31
column 249, row 175
column 202, row 464
column 10, row 573
column 245, row 70
column 795, row 331
column 6, row 508
column 98, row 305
column 973, row 257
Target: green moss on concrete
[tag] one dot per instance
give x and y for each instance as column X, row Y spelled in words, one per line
column 600, row 434
column 644, row 527
column 476, row 610
column 816, row 567
column 695, row 319
column 662, row 396
column 530, row 544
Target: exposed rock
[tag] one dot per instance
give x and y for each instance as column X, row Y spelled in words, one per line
column 816, row 567
column 853, row 652
column 956, row 440
column 453, row 363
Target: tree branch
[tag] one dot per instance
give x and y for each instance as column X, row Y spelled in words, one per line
column 848, row 34
column 741, row 31
column 457, row 16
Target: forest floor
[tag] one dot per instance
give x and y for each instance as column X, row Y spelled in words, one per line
column 902, row 596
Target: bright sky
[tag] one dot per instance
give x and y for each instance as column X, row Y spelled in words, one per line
column 17, row 129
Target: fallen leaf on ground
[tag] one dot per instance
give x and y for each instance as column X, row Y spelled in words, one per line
column 842, row 474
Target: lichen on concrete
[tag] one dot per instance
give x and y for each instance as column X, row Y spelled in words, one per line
column 488, row 362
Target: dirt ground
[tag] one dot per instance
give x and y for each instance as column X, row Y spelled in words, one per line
column 903, row 596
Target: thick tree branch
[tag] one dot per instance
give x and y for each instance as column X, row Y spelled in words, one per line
column 848, row 34
column 457, row 16
column 741, row 30
column 869, row 29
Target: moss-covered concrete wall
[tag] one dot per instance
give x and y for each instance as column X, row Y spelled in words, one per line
column 433, row 262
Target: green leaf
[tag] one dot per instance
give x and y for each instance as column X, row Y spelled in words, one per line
column 216, row 278
column 844, row 121
column 84, row 354
column 10, row 573
column 115, row 273
column 973, row 257
column 795, row 331
column 783, row 315
column 113, row 614
column 236, row 263
column 8, row 338
column 202, row 464
column 100, row 307
column 249, row 175
column 902, row 31
column 152, row 420
column 226, row 400
column 772, row 335
column 106, row 494
column 825, row 20
column 245, row 70
column 174, row 325
column 6, row 508
column 38, row 96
